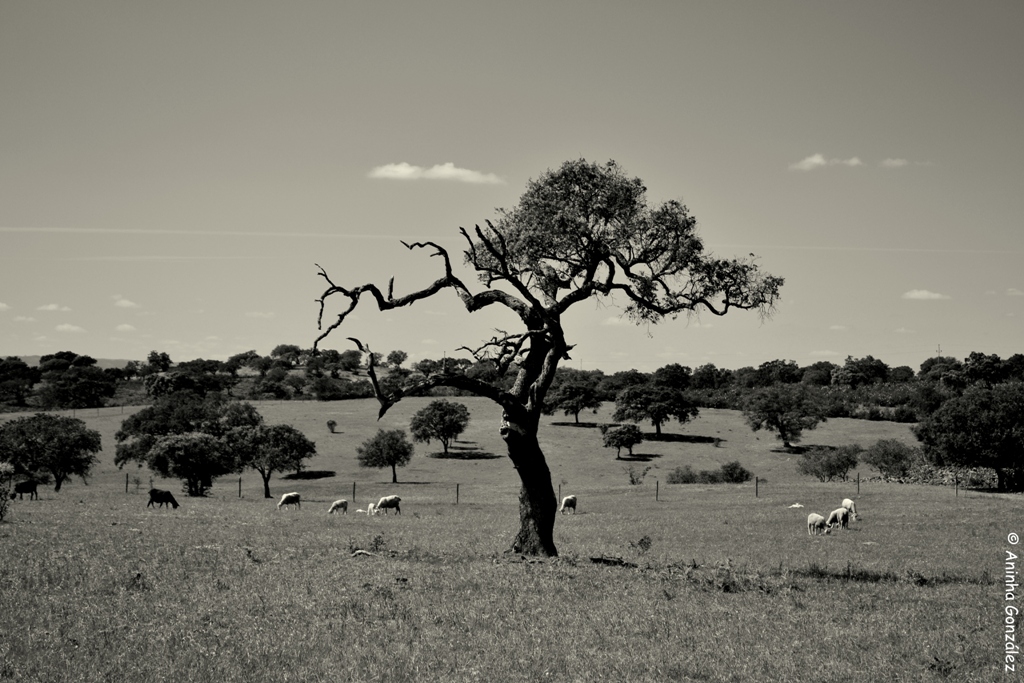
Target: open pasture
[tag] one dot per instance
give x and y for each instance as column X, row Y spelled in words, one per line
column 715, row 584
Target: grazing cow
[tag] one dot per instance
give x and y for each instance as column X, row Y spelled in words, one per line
column 389, row 502
column 339, row 505
column 290, row 499
column 160, row 498
column 29, row 486
column 568, row 503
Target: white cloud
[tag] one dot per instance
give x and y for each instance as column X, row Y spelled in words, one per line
column 121, row 302
column 924, row 295
column 53, row 307
column 448, row 171
column 24, row 319
column 260, row 314
column 894, row 163
column 1013, row 291
column 904, row 330
column 4, row 307
column 838, row 328
column 68, row 328
column 125, row 328
column 819, row 161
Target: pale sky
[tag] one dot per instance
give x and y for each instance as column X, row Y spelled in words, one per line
column 171, row 172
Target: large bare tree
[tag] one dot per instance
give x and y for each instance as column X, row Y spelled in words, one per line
column 581, row 231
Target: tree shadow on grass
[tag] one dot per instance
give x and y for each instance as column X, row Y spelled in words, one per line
column 639, row 457
column 683, row 438
column 309, row 474
column 582, row 425
column 464, row 450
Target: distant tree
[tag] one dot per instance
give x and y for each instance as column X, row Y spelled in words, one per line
column 389, row 448
column 77, row 386
column 350, row 360
column 196, row 458
column 60, row 446
column 985, row 369
column 269, row 449
column 287, row 352
column 934, row 368
column 441, row 420
column 16, row 380
column 735, row 473
column 709, row 377
column 625, row 436
column 892, row 458
column 858, row 372
column 655, row 404
column 240, row 360
column 572, row 398
column 158, row 361
column 785, row 409
column 777, row 372
column 181, row 414
column 827, row 464
column 982, row 428
column 901, row 374
column 610, row 386
column 819, row 374
column 396, row 358
column 673, row 376
column 331, row 425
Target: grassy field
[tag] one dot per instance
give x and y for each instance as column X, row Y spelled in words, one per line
column 715, row 584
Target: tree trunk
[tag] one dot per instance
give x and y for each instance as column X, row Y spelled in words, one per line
column 537, row 503
column 394, row 474
column 266, row 485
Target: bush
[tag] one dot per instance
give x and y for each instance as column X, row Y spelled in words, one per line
column 828, row 463
column 730, row 473
column 735, row 473
column 893, row 458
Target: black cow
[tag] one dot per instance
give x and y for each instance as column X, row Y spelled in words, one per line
column 162, row 497
column 23, row 487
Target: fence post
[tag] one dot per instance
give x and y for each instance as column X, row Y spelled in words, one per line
column 559, row 492
column 755, row 487
column 656, row 485
column 126, row 482
column 239, row 487
column 858, row 483
column 353, row 492
column 956, row 486
column 456, row 494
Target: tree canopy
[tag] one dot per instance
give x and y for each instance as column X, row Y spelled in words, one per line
column 441, row 420
column 388, row 448
column 785, row 409
column 54, row 445
column 582, row 231
column 984, row 427
column 269, row 449
column 658, row 404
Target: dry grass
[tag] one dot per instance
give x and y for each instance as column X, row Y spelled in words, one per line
column 95, row 586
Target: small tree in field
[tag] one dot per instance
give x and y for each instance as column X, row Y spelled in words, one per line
column 389, row 448
column 196, row 458
column 331, row 424
column 827, row 464
column 658, row 404
column 892, row 458
column 441, row 420
column 277, row 448
column 573, row 397
column 582, row 232
column 625, row 436
column 61, row 446
column 786, row 409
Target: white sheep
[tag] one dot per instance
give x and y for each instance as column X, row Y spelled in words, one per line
column 389, row 502
column 339, row 505
column 839, row 517
column 568, row 503
column 290, row 499
column 370, row 510
column 815, row 524
column 852, row 507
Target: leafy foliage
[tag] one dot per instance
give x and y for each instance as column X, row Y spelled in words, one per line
column 892, row 458
column 827, row 464
column 625, row 436
column 441, row 420
column 655, row 403
column 389, row 448
column 269, row 449
column 982, row 428
column 786, row 410
column 55, row 444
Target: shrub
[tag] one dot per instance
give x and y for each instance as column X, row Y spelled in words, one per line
column 636, row 476
column 682, row 475
column 827, row 463
column 735, row 473
column 893, row 458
